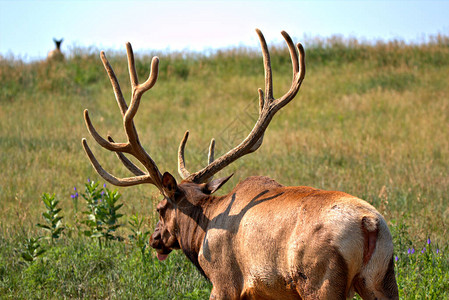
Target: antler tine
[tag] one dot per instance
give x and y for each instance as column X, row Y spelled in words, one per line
column 299, row 70
column 267, row 66
column 137, row 92
column 181, row 161
column 152, row 78
column 115, row 85
column 129, row 181
column 293, row 54
column 210, row 156
column 131, row 66
column 268, row 106
column 124, row 147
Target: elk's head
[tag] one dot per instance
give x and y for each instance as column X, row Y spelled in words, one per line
column 193, row 186
column 178, row 199
column 58, row 43
column 164, row 238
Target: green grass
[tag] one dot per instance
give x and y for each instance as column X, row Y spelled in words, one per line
column 78, row 269
column 370, row 120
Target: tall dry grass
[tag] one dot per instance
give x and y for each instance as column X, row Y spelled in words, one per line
column 371, row 120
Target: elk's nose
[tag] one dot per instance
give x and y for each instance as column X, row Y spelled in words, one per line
column 155, row 238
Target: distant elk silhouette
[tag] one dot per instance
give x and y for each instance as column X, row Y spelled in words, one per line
column 56, row 54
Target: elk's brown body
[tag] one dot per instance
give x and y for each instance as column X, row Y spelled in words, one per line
column 267, row 241
column 263, row 240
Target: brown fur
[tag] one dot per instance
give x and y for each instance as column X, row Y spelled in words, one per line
column 267, row 241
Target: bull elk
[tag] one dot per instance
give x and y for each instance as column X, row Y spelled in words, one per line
column 56, row 54
column 263, row 240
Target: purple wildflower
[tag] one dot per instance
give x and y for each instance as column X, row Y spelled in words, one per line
column 396, row 258
column 428, row 241
column 412, row 251
column 104, row 185
column 75, row 195
column 423, row 250
column 88, row 179
column 408, row 251
column 438, row 251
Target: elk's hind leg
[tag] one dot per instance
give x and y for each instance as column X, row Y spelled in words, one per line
column 385, row 288
column 323, row 276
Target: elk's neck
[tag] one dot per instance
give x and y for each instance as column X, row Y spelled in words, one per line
column 193, row 220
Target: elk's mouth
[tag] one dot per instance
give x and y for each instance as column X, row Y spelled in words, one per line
column 161, row 256
column 162, row 253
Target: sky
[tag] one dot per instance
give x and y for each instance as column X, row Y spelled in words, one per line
column 27, row 27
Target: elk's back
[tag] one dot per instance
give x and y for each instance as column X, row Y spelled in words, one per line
column 280, row 236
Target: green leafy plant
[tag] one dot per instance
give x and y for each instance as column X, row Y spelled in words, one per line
column 54, row 224
column 31, row 249
column 423, row 272
column 139, row 236
column 102, row 214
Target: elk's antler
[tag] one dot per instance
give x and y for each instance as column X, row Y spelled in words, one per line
column 132, row 146
column 268, row 106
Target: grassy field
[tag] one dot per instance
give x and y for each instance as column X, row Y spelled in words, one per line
column 370, row 120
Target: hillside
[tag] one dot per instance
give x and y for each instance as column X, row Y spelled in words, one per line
column 370, row 120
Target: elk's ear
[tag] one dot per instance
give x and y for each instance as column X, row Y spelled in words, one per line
column 214, row 185
column 169, row 185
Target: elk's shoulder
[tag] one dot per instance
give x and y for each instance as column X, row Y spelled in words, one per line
column 258, row 182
